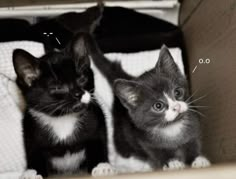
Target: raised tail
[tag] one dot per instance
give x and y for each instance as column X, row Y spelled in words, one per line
column 111, row 70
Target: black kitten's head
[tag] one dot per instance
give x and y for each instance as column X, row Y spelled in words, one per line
column 57, row 83
column 158, row 97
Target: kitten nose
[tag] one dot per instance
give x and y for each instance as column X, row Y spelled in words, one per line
column 177, row 107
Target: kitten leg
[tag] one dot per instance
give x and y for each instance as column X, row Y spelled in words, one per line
column 173, row 159
column 200, row 162
column 194, row 157
column 96, row 150
column 37, row 161
column 174, row 164
column 104, row 169
column 30, row 174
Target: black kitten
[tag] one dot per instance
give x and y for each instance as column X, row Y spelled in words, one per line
column 64, row 127
column 153, row 122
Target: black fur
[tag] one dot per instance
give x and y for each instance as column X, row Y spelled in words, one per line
column 60, row 78
column 134, row 118
column 57, row 32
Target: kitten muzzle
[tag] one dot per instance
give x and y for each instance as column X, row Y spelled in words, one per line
column 79, row 107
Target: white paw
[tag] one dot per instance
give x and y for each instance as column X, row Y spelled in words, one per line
column 103, row 169
column 30, row 174
column 174, row 165
column 201, row 162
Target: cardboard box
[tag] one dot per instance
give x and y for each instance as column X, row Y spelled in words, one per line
column 209, row 32
column 209, row 28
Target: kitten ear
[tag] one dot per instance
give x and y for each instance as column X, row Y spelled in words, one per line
column 129, row 92
column 26, row 67
column 80, row 50
column 166, row 63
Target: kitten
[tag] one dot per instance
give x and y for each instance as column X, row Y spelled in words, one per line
column 154, row 127
column 63, row 126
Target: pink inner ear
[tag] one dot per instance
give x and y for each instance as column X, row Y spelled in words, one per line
column 127, row 91
column 132, row 99
column 30, row 75
column 29, row 79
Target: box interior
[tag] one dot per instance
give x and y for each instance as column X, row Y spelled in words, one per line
column 209, row 33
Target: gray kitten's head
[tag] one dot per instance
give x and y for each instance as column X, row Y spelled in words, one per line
column 158, row 97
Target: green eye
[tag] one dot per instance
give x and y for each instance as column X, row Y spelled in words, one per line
column 158, row 106
column 179, row 92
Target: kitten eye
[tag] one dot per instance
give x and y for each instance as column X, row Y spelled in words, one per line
column 158, row 106
column 178, row 92
column 57, row 89
column 81, row 81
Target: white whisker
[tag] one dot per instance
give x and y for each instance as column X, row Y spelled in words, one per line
column 58, row 107
column 197, row 99
column 197, row 112
column 192, row 95
column 47, row 107
column 199, row 106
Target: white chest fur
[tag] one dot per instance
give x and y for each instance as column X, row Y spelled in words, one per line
column 61, row 127
column 69, row 162
column 172, row 130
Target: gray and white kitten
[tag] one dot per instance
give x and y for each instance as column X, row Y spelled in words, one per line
column 154, row 127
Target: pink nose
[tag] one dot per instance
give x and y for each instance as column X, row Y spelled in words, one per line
column 177, row 107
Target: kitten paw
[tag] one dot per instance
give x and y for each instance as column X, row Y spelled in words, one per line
column 201, row 162
column 30, row 174
column 174, row 165
column 103, row 169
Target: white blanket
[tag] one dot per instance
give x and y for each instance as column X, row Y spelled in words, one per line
column 12, row 160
